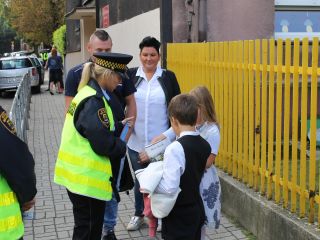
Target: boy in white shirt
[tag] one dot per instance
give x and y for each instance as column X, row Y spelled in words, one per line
column 183, row 166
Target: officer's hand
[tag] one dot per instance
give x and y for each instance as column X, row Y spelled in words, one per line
column 26, row 206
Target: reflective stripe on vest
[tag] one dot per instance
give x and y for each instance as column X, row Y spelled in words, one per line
column 78, row 167
column 11, row 225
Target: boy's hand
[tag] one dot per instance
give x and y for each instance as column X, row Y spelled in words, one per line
column 144, row 157
column 128, row 120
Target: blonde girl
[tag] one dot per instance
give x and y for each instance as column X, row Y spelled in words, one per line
column 210, row 189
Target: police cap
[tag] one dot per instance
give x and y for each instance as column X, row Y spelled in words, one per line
column 113, row 61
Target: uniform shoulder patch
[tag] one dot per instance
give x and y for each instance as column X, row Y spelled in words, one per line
column 103, row 116
column 7, row 123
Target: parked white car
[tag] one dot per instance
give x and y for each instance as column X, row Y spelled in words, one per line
column 12, row 70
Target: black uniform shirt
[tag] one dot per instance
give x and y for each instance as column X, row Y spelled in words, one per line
column 16, row 161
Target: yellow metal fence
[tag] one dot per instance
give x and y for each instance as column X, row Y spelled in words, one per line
column 266, row 96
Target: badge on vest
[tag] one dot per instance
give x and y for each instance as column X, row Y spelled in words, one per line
column 6, row 122
column 103, row 116
column 72, row 108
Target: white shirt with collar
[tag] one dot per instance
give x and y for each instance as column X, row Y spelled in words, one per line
column 152, row 115
column 174, row 163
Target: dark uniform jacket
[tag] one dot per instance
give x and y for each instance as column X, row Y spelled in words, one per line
column 102, row 141
column 16, row 161
column 117, row 104
column 92, row 126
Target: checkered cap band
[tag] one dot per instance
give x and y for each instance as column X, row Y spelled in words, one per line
column 111, row 65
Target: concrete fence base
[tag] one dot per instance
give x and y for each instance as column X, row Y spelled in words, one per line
column 265, row 219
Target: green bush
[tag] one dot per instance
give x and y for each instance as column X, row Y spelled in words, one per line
column 59, row 39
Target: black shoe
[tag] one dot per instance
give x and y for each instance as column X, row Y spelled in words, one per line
column 47, row 90
column 110, row 236
column 51, row 93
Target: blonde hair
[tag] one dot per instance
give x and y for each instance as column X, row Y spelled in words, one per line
column 96, row 72
column 204, row 99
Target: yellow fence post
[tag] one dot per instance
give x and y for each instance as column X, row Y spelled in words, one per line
column 278, row 119
column 303, row 138
column 230, row 103
column 295, row 97
column 240, row 110
column 235, row 109
column 264, row 116
column 257, row 125
column 221, row 107
column 313, row 128
column 251, row 111
column 286, row 123
column 246, row 112
column 271, row 119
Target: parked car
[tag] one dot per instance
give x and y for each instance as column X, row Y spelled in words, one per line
column 40, row 68
column 12, row 70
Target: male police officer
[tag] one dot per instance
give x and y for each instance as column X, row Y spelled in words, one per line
column 17, row 180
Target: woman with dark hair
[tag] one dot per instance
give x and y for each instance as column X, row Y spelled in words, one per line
column 155, row 88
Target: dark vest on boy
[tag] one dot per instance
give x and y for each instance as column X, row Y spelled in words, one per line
column 187, row 216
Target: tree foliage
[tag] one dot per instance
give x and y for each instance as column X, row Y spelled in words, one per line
column 7, row 34
column 59, row 39
column 36, row 20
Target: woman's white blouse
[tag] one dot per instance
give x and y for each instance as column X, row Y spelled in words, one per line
column 152, row 116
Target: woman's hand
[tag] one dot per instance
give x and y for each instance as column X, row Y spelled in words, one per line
column 144, row 157
column 128, row 120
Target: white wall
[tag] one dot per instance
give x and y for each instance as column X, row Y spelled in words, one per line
column 127, row 35
column 88, row 26
column 71, row 60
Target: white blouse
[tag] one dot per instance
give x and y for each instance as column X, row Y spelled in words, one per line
column 152, row 115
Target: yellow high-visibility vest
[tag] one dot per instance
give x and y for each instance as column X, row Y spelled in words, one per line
column 11, row 225
column 78, row 167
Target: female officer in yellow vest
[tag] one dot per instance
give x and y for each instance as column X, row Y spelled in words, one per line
column 87, row 142
column 17, row 180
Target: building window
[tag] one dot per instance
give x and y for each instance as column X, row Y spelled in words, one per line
column 297, row 18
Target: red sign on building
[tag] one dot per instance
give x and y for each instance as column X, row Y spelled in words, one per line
column 105, row 16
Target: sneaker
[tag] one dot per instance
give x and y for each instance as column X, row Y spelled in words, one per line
column 159, row 228
column 135, row 223
column 109, row 236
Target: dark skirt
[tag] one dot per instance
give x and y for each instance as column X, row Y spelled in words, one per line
column 55, row 75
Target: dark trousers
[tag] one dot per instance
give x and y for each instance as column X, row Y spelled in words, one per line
column 88, row 217
column 183, row 223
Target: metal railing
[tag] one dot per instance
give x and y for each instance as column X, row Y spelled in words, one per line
column 19, row 112
column 266, row 94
